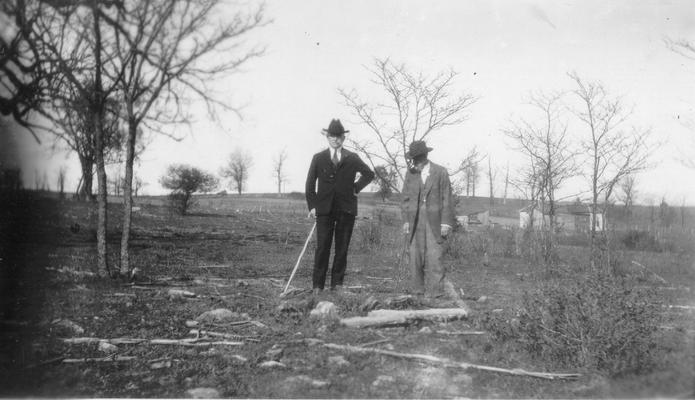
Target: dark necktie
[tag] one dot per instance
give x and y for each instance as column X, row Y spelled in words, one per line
column 335, row 158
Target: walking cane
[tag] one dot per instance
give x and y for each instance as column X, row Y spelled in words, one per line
column 299, row 259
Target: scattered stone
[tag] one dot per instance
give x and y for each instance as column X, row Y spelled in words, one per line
column 274, row 353
column 69, row 325
column 203, row 393
column 271, row 364
column 160, row 364
column 383, row 380
column 325, row 310
column 338, row 361
column 312, row 342
column 179, row 293
column 482, row 299
column 369, row 304
column 425, row 330
column 191, row 323
column 217, row 315
column 107, row 348
column 296, row 306
column 299, row 384
column 435, row 382
column 239, row 358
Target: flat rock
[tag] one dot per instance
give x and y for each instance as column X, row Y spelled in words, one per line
column 69, row 325
column 338, row 361
column 218, row 315
column 179, row 293
column 303, row 382
column 274, row 353
column 203, row 393
column 383, row 380
column 324, row 310
column 107, row 348
column 369, row 304
column 271, row 364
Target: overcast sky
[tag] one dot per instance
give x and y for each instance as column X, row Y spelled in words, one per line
column 502, row 50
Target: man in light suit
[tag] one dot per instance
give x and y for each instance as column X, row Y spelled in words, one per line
column 334, row 204
column 428, row 211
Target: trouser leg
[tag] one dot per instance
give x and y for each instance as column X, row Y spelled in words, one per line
column 343, row 232
column 433, row 260
column 325, row 225
column 417, row 259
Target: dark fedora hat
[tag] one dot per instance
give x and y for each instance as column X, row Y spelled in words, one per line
column 335, row 128
column 418, row 148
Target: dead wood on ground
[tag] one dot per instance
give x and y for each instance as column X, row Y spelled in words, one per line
column 450, row 363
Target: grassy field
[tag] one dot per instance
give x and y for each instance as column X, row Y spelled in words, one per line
column 237, row 252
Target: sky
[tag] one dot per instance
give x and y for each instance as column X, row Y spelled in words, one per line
column 502, row 50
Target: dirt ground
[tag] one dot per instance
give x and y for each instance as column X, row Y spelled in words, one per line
column 239, row 258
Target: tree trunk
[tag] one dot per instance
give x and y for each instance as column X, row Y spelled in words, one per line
column 98, row 120
column 127, row 196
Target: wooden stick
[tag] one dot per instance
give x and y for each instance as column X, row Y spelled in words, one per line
column 100, row 359
column 231, row 336
column 450, row 363
column 461, row 332
column 294, row 270
column 386, row 318
column 175, row 342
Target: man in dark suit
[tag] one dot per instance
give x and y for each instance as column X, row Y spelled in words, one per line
column 428, row 212
column 334, row 203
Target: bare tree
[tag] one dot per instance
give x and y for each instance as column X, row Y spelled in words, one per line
column 545, row 144
column 385, row 180
column 627, row 194
column 138, row 184
column 506, row 184
column 491, row 175
column 414, row 107
column 279, row 169
column 62, row 171
column 237, row 169
column 167, row 53
column 471, row 175
column 612, row 151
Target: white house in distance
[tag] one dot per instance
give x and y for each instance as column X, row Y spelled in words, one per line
column 574, row 217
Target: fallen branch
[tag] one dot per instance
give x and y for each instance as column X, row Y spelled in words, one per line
column 174, row 342
column 662, row 280
column 378, row 278
column 388, row 318
column 680, row 307
column 198, row 333
column 450, row 363
column 461, row 332
column 99, row 359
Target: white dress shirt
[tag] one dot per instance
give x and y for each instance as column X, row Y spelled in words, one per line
column 338, row 150
column 425, row 172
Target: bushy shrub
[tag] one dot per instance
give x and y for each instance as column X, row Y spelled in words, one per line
column 640, row 240
column 369, row 234
column 601, row 323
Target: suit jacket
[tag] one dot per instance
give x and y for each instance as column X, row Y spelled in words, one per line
column 436, row 194
column 337, row 189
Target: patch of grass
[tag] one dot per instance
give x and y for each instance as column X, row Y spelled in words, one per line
column 601, row 323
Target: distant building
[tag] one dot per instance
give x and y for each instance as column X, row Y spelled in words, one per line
column 574, row 217
column 474, row 218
